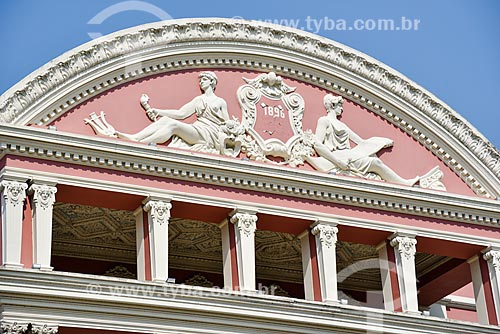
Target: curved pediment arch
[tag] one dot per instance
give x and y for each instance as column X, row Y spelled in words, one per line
column 169, row 46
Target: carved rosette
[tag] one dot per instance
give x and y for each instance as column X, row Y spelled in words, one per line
column 327, row 234
column 493, row 257
column 159, row 211
column 43, row 195
column 406, row 246
column 14, row 192
column 245, row 222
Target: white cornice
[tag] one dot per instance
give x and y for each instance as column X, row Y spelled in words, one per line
column 206, row 169
column 87, row 301
column 209, row 43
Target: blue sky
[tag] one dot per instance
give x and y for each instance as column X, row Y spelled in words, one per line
column 454, row 52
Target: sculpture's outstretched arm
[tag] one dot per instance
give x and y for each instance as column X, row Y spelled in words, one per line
column 183, row 112
column 354, row 136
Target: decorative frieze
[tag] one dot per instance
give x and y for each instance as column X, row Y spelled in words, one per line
column 241, row 175
column 16, row 106
column 13, row 328
column 45, row 329
column 27, row 328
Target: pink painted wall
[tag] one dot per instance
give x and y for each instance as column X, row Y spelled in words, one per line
column 249, row 196
column 172, row 90
column 461, row 314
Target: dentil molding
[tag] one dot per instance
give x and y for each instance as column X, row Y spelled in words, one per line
column 99, row 65
column 161, row 162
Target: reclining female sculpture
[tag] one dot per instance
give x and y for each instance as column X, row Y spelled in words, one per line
column 202, row 135
column 332, row 144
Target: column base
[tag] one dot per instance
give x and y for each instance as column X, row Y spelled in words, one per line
column 13, row 266
column 250, row 291
column 333, row 301
column 159, row 280
column 42, row 267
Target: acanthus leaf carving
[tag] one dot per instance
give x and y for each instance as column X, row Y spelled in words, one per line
column 16, row 328
column 45, row 329
column 13, row 328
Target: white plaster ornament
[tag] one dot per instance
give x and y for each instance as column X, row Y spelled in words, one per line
column 328, row 150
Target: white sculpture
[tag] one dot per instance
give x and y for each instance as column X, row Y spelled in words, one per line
column 290, row 106
column 212, row 132
column 332, row 144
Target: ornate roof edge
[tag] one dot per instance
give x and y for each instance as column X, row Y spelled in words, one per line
column 18, row 103
column 160, row 162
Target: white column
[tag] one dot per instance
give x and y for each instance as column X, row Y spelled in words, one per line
column 227, row 261
column 158, row 216
column 245, row 223
column 13, row 196
column 385, row 274
column 404, row 252
column 326, row 238
column 43, row 203
column 492, row 257
column 139, row 242
column 479, row 293
column 306, row 265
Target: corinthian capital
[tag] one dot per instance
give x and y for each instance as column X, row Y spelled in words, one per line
column 245, row 222
column 493, row 256
column 14, row 192
column 327, row 234
column 43, row 195
column 406, row 246
column 159, row 211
